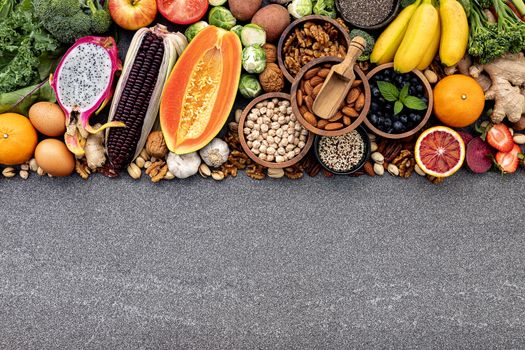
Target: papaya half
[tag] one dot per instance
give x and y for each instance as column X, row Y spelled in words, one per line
column 201, row 90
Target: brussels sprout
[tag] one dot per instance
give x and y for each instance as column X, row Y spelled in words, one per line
column 221, row 17
column 194, row 29
column 217, row 2
column 237, row 30
column 254, row 59
column 249, row 86
column 252, row 34
column 300, row 8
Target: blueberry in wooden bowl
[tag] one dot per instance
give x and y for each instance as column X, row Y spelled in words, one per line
column 401, row 103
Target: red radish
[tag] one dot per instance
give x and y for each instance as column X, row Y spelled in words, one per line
column 479, row 156
column 500, row 138
column 509, row 162
column 467, row 137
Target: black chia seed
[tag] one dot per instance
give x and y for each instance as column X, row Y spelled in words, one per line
column 366, row 13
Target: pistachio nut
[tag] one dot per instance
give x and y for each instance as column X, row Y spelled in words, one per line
column 169, row 176
column 393, row 170
column 418, row 171
column 134, row 171
column 204, row 170
column 24, row 174
column 9, row 172
column 217, row 175
column 379, row 169
column 519, row 139
column 275, row 173
column 378, row 158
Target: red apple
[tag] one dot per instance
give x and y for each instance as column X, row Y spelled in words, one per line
column 133, row 14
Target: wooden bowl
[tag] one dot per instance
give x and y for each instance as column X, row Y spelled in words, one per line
column 242, row 139
column 291, row 28
column 359, row 75
column 428, row 93
column 359, row 165
column 386, row 21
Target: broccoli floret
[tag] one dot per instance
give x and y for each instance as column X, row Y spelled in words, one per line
column 370, row 42
column 488, row 40
column 68, row 20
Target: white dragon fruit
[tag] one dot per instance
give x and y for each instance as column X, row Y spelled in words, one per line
column 83, row 84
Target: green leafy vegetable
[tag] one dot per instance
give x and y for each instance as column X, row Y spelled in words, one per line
column 20, row 101
column 325, row 8
column 27, row 51
column 6, row 7
column 401, row 98
column 69, row 20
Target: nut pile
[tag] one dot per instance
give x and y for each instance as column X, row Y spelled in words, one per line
column 342, row 153
column 273, row 133
column 311, row 41
column 310, row 87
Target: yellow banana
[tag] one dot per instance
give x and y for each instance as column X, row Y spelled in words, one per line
column 429, row 55
column 454, row 32
column 388, row 42
column 418, row 37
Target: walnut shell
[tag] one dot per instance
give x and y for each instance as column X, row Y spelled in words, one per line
column 272, row 78
column 156, row 146
column 271, row 53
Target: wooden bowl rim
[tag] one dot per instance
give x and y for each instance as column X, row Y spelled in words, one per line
column 362, row 162
column 244, row 144
column 292, row 26
column 430, row 95
column 310, row 127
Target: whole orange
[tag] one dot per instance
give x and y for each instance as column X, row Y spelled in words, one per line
column 18, row 139
column 458, row 100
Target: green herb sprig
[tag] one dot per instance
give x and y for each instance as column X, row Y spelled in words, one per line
column 401, row 98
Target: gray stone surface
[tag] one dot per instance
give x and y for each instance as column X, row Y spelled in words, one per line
column 313, row 264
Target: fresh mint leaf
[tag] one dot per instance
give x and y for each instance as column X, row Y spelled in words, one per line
column 398, row 107
column 404, row 93
column 388, row 90
column 415, row 103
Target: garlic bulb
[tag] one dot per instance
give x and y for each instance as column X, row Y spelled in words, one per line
column 183, row 166
column 215, row 153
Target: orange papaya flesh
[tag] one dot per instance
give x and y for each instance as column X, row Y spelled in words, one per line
column 201, row 90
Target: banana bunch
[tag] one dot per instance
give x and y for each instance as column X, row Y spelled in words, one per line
column 413, row 39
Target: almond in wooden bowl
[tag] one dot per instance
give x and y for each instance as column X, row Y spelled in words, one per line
column 270, row 133
column 352, row 112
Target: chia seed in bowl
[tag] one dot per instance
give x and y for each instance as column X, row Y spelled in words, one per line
column 368, row 14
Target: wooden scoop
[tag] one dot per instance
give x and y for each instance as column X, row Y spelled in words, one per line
column 338, row 82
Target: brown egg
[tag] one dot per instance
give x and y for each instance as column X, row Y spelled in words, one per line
column 48, row 118
column 54, row 158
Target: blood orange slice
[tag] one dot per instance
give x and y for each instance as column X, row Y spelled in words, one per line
column 440, row 151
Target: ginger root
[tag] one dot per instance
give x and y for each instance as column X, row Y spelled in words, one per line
column 507, row 79
column 95, row 153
